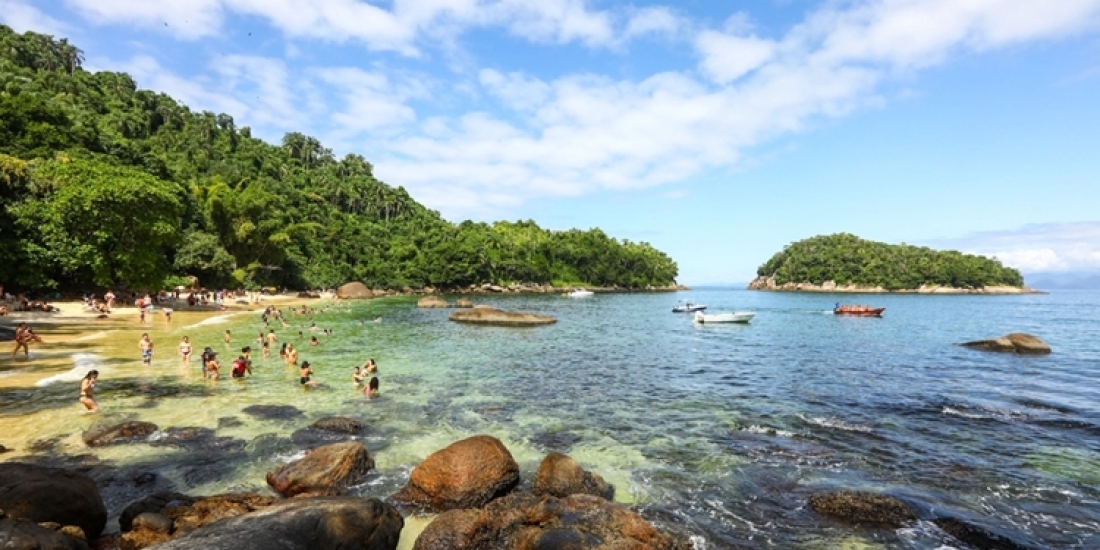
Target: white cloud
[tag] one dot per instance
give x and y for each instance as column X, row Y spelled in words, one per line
column 189, row 19
column 1055, row 247
column 22, row 17
column 727, row 58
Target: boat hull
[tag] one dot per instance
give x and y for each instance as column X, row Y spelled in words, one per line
column 689, row 309
column 737, row 317
column 877, row 312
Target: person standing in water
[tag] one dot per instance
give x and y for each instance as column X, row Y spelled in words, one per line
column 357, row 377
column 87, row 391
column 243, row 363
column 146, row 347
column 228, row 337
column 304, row 375
column 371, row 391
column 291, row 355
column 185, row 350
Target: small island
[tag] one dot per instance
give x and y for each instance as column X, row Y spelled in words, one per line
column 843, row 262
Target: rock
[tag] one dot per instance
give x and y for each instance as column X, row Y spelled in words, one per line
column 155, row 503
column 557, row 441
column 863, row 508
column 229, row 422
column 7, row 334
column 492, row 316
column 73, row 532
column 561, row 476
column 339, row 425
column 272, row 412
column 188, row 517
column 976, row 536
column 1017, row 342
column 152, row 521
column 17, row 534
column 3, row 449
column 325, row 470
column 432, row 302
column 354, row 291
column 182, row 436
column 40, row 493
column 466, row 474
column 125, row 432
column 523, row 521
column 464, row 303
column 304, row 294
column 142, row 538
column 302, row 524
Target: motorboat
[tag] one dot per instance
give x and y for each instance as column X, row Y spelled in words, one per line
column 688, row 307
column 860, row 311
column 579, row 293
column 735, row 317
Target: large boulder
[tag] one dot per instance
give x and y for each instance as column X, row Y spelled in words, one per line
column 161, row 517
column 18, row 534
column 325, row 470
column 492, row 316
column 464, row 303
column 43, row 494
column 466, row 474
column 1016, row 342
column 354, row 291
column 863, row 508
column 124, row 432
column 523, row 521
column 432, row 302
column 561, row 476
column 318, row 523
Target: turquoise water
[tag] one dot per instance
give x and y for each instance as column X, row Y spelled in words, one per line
column 715, row 432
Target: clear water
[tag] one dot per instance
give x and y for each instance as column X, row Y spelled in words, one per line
column 715, row 432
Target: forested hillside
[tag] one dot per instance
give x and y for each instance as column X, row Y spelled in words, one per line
column 846, row 259
column 102, row 184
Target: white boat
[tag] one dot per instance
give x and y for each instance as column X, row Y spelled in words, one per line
column 579, row 293
column 735, row 317
column 688, row 307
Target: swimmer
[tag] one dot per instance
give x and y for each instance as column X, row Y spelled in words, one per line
column 313, row 341
column 146, row 347
column 371, row 391
column 212, row 366
column 370, row 366
column 87, row 391
column 291, row 355
column 228, row 336
column 304, row 375
column 357, row 377
column 185, row 350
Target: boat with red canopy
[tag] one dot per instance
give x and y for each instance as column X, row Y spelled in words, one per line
column 862, row 311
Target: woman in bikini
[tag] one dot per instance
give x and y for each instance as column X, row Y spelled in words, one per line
column 87, row 391
column 185, row 350
column 304, row 374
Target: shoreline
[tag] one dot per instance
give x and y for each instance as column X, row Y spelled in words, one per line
column 768, row 284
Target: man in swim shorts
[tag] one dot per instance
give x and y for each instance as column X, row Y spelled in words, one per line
column 146, row 346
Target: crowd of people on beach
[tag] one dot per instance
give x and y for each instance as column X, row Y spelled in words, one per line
column 364, row 377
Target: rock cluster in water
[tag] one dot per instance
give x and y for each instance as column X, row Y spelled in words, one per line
column 1016, row 342
column 482, row 315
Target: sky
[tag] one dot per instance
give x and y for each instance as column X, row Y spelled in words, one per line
column 717, row 131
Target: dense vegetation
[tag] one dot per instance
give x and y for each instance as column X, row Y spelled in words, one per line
column 847, row 259
column 103, row 184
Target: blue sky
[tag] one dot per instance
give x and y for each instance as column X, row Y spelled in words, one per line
column 717, row 131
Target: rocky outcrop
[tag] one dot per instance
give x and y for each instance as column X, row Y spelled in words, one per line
column 561, row 476
column 432, row 302
column 1016, row 342
column 124, row 432
column 464, row 303
column 492, row 316
column 768, row 283
column 524, row 521
column 466, row 474
column 161, row 517
column 155, row 503
column 272, row 412
column 302, row 524
column 339, row 425
column 863, row 508
column 21, row 534
column 43, row 494
column 325, row 470
column 977, row 537
column 354, row 291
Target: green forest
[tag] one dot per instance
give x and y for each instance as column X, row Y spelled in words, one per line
column 103, row 184
column 847, row 259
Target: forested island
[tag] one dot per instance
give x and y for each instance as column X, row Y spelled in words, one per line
column 104, row 184
column 846, row 263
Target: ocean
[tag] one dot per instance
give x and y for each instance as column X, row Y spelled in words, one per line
column 719, row 433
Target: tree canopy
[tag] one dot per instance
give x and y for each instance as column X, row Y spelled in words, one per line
column 848, row 259
column 103, row 183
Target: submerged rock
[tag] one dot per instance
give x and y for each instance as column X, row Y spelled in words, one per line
column 302, row 524
column 1017, row 342
column 124, row 432
column 492, row 316
column 557, row 441
column 863, row 508
column 561, row 476
column 523, row 521
column 340, row 425
column 975, row 536
column 272, row 412
column 328, row 430
column 466, row 474
column 432, row 302
column 41, row 494
column 325, row 470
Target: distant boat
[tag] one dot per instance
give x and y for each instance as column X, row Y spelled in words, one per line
column 579, row 293
column 860, row 311
column 688, row 307
column 735, row 317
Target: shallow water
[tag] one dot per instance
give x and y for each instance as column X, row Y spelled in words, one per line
column 715, row 432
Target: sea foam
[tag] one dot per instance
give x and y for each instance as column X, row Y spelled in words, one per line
column 83, row 362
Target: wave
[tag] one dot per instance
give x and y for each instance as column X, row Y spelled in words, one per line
column 91, row 336
column 83, row 362
column 957, row 412
column 835, row 424
column 216, row 320
column 767, row 431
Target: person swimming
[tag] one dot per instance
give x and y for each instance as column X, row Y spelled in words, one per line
column 371, row 390
column 357, row 376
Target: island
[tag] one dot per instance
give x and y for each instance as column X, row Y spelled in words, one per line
column 843, row 262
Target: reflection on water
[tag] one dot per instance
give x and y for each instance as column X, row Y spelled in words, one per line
column 715, row 432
